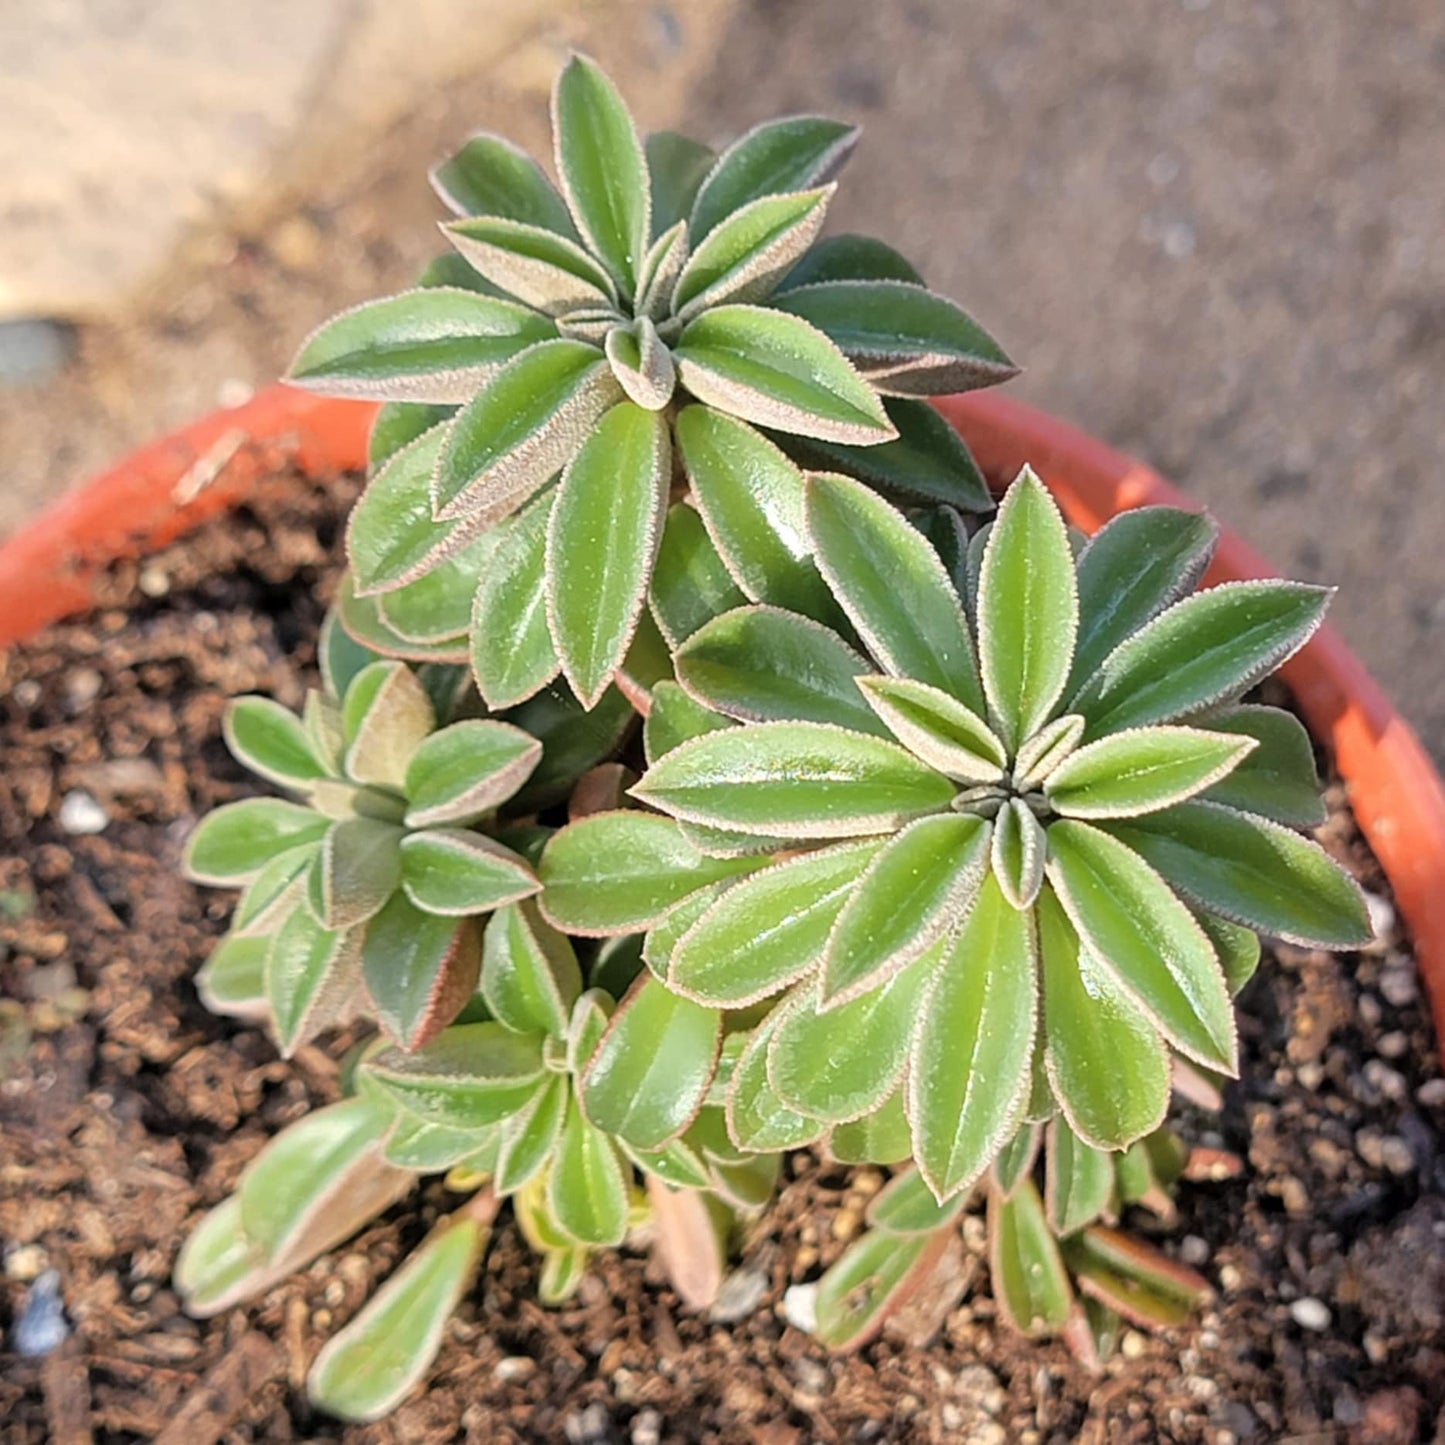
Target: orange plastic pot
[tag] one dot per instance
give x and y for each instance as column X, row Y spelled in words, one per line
column 49, row 569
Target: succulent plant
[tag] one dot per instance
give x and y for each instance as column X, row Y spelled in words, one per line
column 1007, row 865
column 648, row 320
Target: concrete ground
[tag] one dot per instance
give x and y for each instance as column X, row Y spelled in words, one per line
column 1209, row 229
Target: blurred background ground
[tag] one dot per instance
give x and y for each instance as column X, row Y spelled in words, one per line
column 1211, row 230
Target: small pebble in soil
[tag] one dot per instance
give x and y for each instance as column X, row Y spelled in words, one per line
column 1399, row 984
column 591, row 1426
column 1193, row 1250
column 153, row 582
column 81, row 815
column 1310, row 1314
column 41, row 1326
column 800, row 1307
column 1382, row 916
column 82, row 688
column 739, row 1295
column 1431, row 1093
column 24, row 1262
column 514, row 1367
column 647, row 1428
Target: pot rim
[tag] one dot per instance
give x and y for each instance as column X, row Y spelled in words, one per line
column 50, row 567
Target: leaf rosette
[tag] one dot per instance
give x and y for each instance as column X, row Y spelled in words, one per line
column 993, row 860
column 537, row 381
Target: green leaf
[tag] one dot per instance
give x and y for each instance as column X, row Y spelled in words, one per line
column 777, row 371
column 419, row 969
column 462, row 772
column 658, row 274
column 619, row 872
column 274, row 890
column 602, row 167
column 674, row 718
column 762, row 664
column 1137, row 930
column 454, row 872
column 339, row 656
column 397, row 424
column 586, row 1190
column 641, row 363
column 1142, row 770
column 780, row 155
column 690, row 581
column 232, row 980
column 310, row 975
column 1028, row 610
column 906, row 1205
column 386, row 715
column 512, row 652
column 1252, row 871
column 468, row 1077
column 794, row 780
column 842, row 1064
column 586, row 1026
column 744, row 256
column 449, row 269
column 1208, row 648
column 849, row 257
column 437, row 605
column 1078, row 1180
column 530, row 1138
column 926, row 462
column 270, row 740
column 768, row 931
column 521, row 428
column 1039, row 755
column 892, row 586
column 1143, row 1285
column 219, row 1264
column 1106, row 1063
column 751, row 499
column 676, row 167
column 901, row 337
column 918, row 887
column 530, row 976
column 392, row 537
column 1014, row 1163
column 358, row 869
column 652, row 1069
column 603, row 536
column 317, row 1182
column 537, row 266
column 937, row 728
column 1236, row 947
column 438, row 344
column 1134, row 567
column 872, row 1279
column 758, row 1121
column 233, row 844
column 1028, row 1275
column 362, row 619
column 1277, row 779
column 364, row 1371
column 1018, row 853
column 428, row 1148
column 968, row 1074
column 490, row 176
column 881, row 1137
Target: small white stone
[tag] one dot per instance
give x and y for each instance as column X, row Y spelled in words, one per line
column 1193, row 1250
column 1431, row 1093
column 1399, row 985
column 25, row 1262
column 800, row 1307
column 1393, row 1045
column 1382, row 915
column 81, row 814
column 739, row 1295
column 514, row 1367
column 1387, row 1081
column 1310, row 1314
column 1396, row 1155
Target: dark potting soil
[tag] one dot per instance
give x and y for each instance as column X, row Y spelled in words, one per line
column 126, row 1110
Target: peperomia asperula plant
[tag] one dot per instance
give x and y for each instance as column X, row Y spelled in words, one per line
column 670, row 805
column 660, row 276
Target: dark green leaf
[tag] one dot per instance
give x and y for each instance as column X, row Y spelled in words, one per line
column 690, row 581
column 850, row 258
column 537, row 266
column 419, row 969
column 1277, row 779
column 490, row 176
column 872, row 1278
column 1078, row 1180
column 1028, row 1276
column 530, row 977
column 676, row 167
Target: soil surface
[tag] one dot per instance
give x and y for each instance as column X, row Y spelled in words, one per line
column 126, row 1110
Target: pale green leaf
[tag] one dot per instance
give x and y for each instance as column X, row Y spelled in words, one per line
column 777, row 371
column 530, row 1138
column 674, row 718
column 1078, row 1180
column 234, row 843
column 358, row 869
column 619, row 872
column 872, row 1279
column 907, row 1205
column 937, row 728
column 604, row 533
column 1018, row 853
column 757, row 1120
column 436, row 345
column 270, row 740
column 1028, row 610
column 1208, row 648
column 917, row 888
column 768, row 931
column 1142, row 770
column 642, row 365
column 385, row 715
column 437, row 605
column 489, row 176
column 310, row 976
column 462, row 772
column 968, row 1074
column 537, row 266
column 690, row 581
column 1028, row 1276
column 1106, row 1064
column 455, row 872
column 892, row 586
column 882, row 1137
column 530, row 976
column 586, row 1189
column 794, row 779
column 232, row 980
column 1039, row 755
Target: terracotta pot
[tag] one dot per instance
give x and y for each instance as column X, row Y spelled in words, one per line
column 49, row 569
